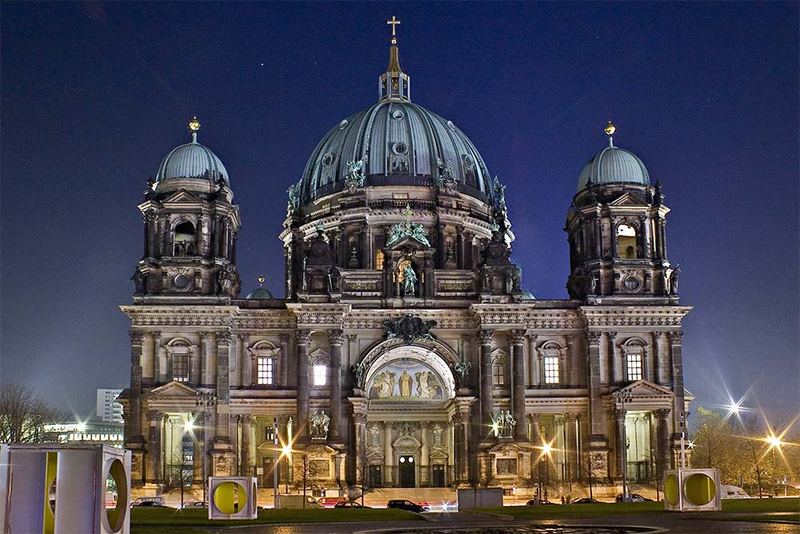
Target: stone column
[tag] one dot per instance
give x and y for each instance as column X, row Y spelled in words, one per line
column 388, row 457
column 197, row 461
column 676, row 339
column 148, row 358
column 621, row 442
column 195, row 368
column 303, row 339
column 573, row 358
column 463, row 423
column 223, row 386
column 133, row 419
column 664, row 359
column 360, row 422
column 154, row 453
column 158, row 352
column 535, row 378
column 662, row 441
column 247, row 430
column 536, row 432
column 283, row 361
column 424, row 479
column 598, row 442
column 617, row 359
column 518, row 394
column 605, row 361
column 245, row 363
column 335, row 339
column 487, row 403
column 209, row 345
column 571, row 446
column 651, row 365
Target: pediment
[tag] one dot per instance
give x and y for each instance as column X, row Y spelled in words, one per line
column 629, row 199
column 182, row 196
column 173, row 390
column 644, row 388
column 408, row 242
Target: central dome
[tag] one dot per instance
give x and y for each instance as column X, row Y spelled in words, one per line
column 400, row 143
column 395, row 142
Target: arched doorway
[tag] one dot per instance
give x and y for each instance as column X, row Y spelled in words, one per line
column 410, row 403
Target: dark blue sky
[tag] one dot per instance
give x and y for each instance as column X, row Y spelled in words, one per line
column 94, row 95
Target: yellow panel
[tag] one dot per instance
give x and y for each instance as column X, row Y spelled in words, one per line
column 48, row 509
column 671, row 490
column 699, row 489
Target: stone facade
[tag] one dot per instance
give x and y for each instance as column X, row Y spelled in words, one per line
column 405, row 352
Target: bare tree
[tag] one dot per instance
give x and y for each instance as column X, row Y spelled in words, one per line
column 23, row 415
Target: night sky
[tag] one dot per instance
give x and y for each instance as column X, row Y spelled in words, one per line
column 94, row 95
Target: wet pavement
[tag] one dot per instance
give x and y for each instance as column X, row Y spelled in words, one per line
column 466, row 523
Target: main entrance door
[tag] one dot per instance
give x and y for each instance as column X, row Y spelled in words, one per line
column 407, row 475
column 438, row 476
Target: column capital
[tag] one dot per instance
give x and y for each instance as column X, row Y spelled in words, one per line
column 534, row 417
column 246, row 419
column 154, row 415
column 204, row 335
column 303, row 337
column 593, row 337
column 335, row 337
column 243, row 338
column 517, row 337
column 360, row 418
column 676, row 337
column 283, row 338
column 620, row 413
column 224, row 337
column 352, row 337
column 486, row 337
column 658, row 334
column 662, row 413
column 136, row 337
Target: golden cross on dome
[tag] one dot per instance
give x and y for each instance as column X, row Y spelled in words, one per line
column 393, row 23
column 407, row 213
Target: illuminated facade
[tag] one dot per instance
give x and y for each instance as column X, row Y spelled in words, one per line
column 405, row 352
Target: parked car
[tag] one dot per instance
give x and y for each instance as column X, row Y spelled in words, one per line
column 195, row 504
column 148, row 504
column 349, row 504
column 158, row 500
column 633, row 497
column 330, row 502
column 586, row 500
column 404, row 504
column 733, row 492
column 537, row 502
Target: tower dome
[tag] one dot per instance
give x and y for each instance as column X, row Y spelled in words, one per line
column 614, row 165
column 191, row 166
column 395, row 142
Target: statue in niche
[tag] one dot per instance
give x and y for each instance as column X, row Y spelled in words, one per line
column 228, row 280
column 409, row 281
column 405, row 383
column 319, row 423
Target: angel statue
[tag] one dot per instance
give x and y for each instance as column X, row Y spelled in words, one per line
column 409, row 281
column 319, row 422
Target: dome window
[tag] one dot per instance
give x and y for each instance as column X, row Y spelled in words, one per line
column 343, row 124
column 328, row 159
column 399, row 148
column 451, row 125
column 626, row 242
column 398, row 115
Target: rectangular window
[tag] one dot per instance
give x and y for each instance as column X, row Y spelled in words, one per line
column 506, row 466
column 551, row 375
column 320, row 374
column 499, row 371
column 634, row 364
column 180, row 367
column 266, row 370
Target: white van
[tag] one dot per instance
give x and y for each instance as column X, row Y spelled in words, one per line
column 296, row 501
column 733, row 492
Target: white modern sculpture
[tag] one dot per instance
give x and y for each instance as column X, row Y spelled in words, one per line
column 692, row 490
column 232, row 498
column 52, row 488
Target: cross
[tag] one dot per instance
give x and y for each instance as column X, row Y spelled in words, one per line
column 393, row 23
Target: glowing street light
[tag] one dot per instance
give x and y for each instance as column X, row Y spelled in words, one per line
column 546, row 449
column 773, row 441
column 188, row 426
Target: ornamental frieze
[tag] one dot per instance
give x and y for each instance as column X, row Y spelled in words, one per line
column 607, row 316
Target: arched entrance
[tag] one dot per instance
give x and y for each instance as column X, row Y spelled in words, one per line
column 410, row 403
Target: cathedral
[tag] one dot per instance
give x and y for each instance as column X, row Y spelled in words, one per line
column 405, row 352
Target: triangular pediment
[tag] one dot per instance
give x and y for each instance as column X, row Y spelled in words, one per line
column 173, row 390
column 410, row 242
column 644, row 388
column 182, row 196
column 629, row 199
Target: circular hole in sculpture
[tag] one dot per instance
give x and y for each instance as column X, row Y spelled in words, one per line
column 671, row 490
column 230, row 497
column 116, row 496
column 699, row 489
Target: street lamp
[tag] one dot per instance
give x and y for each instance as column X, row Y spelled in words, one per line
column 272, row 434
column 205, row 401
column 774, row 442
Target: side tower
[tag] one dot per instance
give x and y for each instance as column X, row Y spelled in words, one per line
column 617, row 239
column 190, row 226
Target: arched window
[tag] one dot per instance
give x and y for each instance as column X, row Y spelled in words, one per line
column 634, row 360
column 551, row 362
column 499, row 361
column 183, row 243
column 626, row 242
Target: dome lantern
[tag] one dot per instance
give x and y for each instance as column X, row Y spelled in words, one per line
column 394, row 84
column 613, row 165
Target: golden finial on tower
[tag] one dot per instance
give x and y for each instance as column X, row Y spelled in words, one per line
column 609, row 130
column 194, row 125
column 393, row 23
column 261, row 278
column 407, row 213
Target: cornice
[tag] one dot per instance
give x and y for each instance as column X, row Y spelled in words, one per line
column 606, row 316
